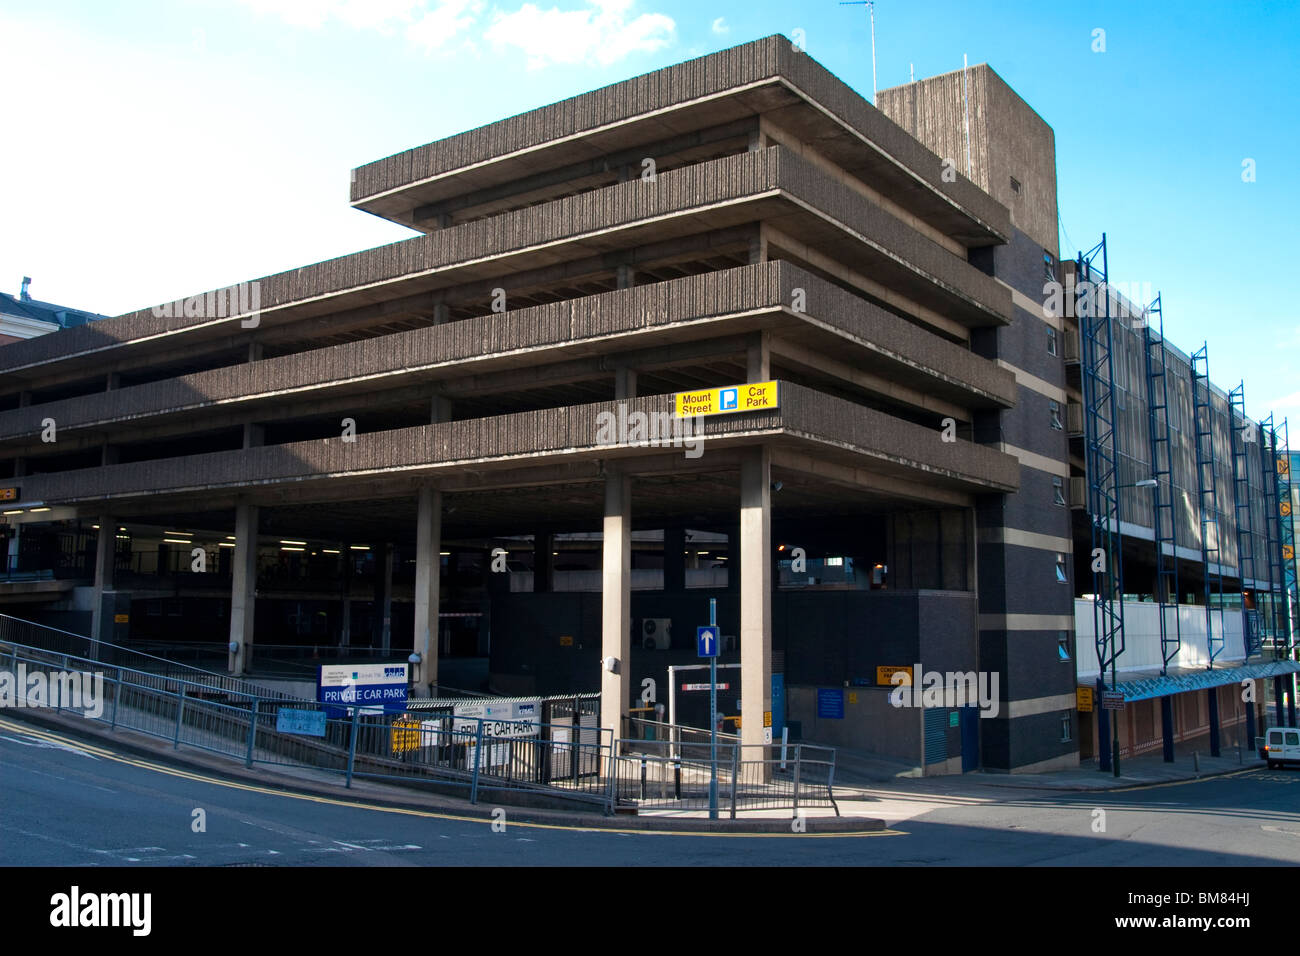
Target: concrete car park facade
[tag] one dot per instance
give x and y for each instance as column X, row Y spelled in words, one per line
column 408, row 449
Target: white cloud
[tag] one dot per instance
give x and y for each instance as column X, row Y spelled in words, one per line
column 602, row 33
column 440, row 24
column 720, row 26
column 427, row 23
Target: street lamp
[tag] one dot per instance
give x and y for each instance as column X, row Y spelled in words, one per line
column 1114, row 677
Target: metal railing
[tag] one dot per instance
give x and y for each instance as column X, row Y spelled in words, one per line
column 567, row 760
column 567, row 756
column 750, row 777
column 41, row 637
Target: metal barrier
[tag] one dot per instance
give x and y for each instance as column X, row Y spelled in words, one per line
column 568, row 756
column 469, row 752
column 17, row 631
column 750, row 777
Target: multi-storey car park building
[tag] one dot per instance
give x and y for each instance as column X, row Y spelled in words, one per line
column 433, row 445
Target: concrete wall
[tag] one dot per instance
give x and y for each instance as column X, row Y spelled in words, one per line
column 1007, row 139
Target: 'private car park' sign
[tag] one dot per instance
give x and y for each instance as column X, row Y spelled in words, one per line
column 375, row 688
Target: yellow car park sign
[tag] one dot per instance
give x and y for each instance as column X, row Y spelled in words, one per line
column 754, row 397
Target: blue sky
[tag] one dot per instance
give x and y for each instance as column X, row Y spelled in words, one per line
column 158, row 149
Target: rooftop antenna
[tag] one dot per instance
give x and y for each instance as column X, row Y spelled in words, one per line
column 871, row 11
column 24, row 294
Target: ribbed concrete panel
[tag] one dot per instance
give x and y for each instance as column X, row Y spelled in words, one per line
column 713, row 192
column 548, row 333
column 654, row 96
column 831, row 426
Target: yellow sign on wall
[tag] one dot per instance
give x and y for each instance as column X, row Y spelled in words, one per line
column 754, row 397
column 885, row 674
column 8, row 494
column 406, row 736
column 1083, row 699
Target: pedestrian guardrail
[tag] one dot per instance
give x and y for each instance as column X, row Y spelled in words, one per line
column 666, row 775
column 569, row 756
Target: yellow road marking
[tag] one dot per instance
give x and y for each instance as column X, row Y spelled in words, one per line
column 332, row 801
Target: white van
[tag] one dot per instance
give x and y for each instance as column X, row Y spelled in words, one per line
column 1280, row 746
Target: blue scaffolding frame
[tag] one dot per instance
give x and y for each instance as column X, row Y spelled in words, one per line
column 1243, row 514
column 1096, row 335
column 1165, row 522
column 1208, row 500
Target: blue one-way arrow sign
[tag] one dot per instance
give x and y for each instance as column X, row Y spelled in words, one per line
column 706, row 642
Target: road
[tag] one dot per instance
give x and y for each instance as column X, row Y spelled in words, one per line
column 68, row 803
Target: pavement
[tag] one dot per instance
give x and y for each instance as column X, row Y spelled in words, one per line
column 856, row 770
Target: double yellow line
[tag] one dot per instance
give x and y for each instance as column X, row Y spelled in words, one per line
column 379, row 808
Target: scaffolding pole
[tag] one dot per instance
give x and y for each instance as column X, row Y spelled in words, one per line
column 1096, row 335
column 1165, row 521
column 1208, row 501
column 1243, row 432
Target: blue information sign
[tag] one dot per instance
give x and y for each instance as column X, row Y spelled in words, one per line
column 830, row 703
column 308, row 722
column 706, row 642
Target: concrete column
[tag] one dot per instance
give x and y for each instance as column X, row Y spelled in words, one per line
column 345, row 636
column 439, row 409
column 243, row 587
column 758, row 245
column 543, row 565
column 675, row 559
column 254, row 435
column 109, row 454
column 15, row 547
column 735, row 560
column 1213, row 693
column 755, row 594
column 112, row 380
column 758, row 357
column 441, row 313
column 20, row 467
column 101, row 624
column 616, row 602
column 254, row 352
column 384, row 595
column 625, row 277
column 624, row 383
column 1167, row 727
column 428, row 568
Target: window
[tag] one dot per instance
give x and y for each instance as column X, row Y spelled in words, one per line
column 1051, row 340
column 1015, row 185
column 1058, row 491
column 1049, row 266
column 1065, row 728
column 1060, row 570
column 1054, row 413
column 1063, row 645
column 1292, row 739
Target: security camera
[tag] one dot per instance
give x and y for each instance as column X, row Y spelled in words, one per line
column 234, row 647
column 414, row 658
column 611, row 664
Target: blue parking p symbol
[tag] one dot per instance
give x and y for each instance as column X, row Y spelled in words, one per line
column 729, row 398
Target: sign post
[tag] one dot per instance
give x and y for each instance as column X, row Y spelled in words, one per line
column 706, row 645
